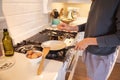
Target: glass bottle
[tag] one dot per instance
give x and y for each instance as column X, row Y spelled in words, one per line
column 7, row 43
column 1, row 42
column 0, row 50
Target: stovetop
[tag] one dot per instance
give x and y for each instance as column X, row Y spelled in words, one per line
column 45, row 35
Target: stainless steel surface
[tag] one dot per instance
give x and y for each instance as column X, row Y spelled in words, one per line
column 71, row 58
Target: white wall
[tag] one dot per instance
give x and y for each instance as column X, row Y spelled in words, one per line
column 58, row 6
column 1, row 8
column 83, row 7
column 24, row 18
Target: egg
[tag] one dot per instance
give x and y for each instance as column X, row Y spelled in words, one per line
column 38, row 54
column 34, row 56
column 29, row 56
column 30, row 52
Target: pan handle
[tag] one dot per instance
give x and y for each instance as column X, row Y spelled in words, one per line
column 69, row 47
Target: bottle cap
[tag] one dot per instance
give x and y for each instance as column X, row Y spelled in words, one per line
column 5, row 30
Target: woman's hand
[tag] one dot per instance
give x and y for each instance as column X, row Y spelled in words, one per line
column 66, row 27
column 82, row 45
column 63, row 26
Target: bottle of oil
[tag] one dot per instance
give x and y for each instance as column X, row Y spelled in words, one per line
column 0, row 51
column 7, row 43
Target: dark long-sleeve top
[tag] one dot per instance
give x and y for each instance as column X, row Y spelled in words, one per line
column 103, row 24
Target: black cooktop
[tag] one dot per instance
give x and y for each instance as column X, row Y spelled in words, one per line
column 45, row 35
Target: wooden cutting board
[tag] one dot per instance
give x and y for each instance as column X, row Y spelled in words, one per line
column 41, row 65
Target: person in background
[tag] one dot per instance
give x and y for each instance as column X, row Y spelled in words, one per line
column 101, row 39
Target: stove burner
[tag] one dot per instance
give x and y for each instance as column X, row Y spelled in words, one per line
column 57, row 55
column 25, row 48
column 58, row 35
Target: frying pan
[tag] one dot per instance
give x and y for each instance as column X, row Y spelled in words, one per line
column 54, row 45
column 49, row 45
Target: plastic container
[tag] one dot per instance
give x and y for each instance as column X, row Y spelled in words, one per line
column 55, row 21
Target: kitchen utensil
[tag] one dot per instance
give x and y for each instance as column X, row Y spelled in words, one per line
column 54, row 44
column 67, row 21
column 55, row 13
column 70, row 58
column 70, row 67
column 41, row 65
column 55, row 21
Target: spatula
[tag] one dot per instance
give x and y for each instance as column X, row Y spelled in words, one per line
column 41, row 65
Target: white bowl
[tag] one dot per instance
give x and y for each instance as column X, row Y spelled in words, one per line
column 35, row 60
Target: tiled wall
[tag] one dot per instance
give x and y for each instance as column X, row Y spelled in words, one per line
column 24, row 18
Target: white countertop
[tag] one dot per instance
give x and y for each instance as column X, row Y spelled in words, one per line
column 23, row 70
column 79, row 20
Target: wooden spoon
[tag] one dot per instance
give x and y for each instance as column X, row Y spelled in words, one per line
column 41, row 66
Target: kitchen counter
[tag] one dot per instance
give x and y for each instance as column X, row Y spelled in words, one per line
column 23, row 70
column 79, row 20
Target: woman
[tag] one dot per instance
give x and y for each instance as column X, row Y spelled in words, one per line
column 102, row 37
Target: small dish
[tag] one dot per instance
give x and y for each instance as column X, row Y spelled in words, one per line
column 34, row 56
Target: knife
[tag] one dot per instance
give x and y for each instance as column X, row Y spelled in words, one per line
column 41, row 65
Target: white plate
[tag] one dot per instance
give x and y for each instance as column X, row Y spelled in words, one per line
column 54, row 44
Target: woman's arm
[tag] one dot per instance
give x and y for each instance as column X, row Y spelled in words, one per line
column 79, row 28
